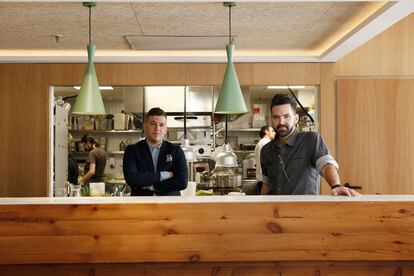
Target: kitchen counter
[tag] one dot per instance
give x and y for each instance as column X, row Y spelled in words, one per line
column 240, row 234
column 201, row 199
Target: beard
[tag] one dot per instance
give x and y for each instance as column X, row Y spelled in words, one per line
column 284, row 130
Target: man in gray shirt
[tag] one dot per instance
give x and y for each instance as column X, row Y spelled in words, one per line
column 294, row 160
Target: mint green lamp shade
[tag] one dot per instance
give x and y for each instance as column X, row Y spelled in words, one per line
column 230, row 100
column 89, row 100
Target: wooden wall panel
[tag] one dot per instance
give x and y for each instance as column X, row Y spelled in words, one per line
column 65, row 74
column 213, row 73
column 205, row 232
column 388, row 54
column 375, row 134
column 25, row 136
column 205, row 74
column 382, row 163
column 286, row 73
column 4, row 107
column 142, row 74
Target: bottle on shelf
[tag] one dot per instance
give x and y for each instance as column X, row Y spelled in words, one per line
column 122, row 146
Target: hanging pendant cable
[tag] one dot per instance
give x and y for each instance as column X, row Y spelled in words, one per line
column 225, row 131
column 90, row 13
column 143, row 112
column 230, row 40
column 185, row 112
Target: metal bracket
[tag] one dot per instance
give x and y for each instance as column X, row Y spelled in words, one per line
column 89, row 4
column 229, row 4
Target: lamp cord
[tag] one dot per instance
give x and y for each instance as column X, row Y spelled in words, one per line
column 185, row 112
column 90, row 13
column 230, row 40
column 225, row 132
column 143, row 111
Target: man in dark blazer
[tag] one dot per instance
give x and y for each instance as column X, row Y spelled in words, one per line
column 154, row 166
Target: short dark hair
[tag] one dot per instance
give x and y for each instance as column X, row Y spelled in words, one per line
column 156, row 111
column 263, row 131
column 280, row 99
column 89, row 138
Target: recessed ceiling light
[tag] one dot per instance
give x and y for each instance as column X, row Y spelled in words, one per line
column 100, row 87
column 286, row 87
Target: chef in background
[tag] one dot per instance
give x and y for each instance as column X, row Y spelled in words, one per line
column 73, row 169
column 95, row 163
column 267, row 134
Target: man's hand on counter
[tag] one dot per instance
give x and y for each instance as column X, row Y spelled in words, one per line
column 342, row 190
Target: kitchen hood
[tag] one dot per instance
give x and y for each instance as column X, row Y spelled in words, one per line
column 170, row 99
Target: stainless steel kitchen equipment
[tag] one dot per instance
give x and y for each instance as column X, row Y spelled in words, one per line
column 249, row 166
column 225, row 177
column 202, row 150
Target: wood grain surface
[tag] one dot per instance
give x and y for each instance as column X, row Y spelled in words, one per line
column 375, row 134
column 218, row 269
column 388, row 54
column 205, row 232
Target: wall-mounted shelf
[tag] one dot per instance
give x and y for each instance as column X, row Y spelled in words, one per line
column 105, row 131
column 134, row 130
column 107, row 152
column 243, row 151
column 190, row 128
column 244, row 130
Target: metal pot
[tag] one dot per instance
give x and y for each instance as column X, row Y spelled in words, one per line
column 226, row 180
column 223, row 180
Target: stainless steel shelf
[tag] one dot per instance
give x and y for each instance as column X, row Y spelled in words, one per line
column 191, row 128
column 105, row 131
column 244, row 130
column 133, row 130
column 243, row 151
column 107, row 152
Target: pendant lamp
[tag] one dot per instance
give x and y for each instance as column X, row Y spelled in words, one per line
column 189, row 152
column 89, row 100
column 230, row 100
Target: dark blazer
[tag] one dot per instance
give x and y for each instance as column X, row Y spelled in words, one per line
column 139, row 169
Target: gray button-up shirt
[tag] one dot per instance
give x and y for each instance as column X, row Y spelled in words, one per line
column 294, row 168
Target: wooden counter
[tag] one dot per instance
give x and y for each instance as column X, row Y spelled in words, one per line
column 250, row 235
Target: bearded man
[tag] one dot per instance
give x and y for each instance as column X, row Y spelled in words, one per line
column 293, row 162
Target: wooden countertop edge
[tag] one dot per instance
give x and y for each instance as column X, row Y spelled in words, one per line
column 201, row 199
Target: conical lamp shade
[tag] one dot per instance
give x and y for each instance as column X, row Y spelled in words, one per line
column 230, row 100
column 226, row 158
column 89, row 101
